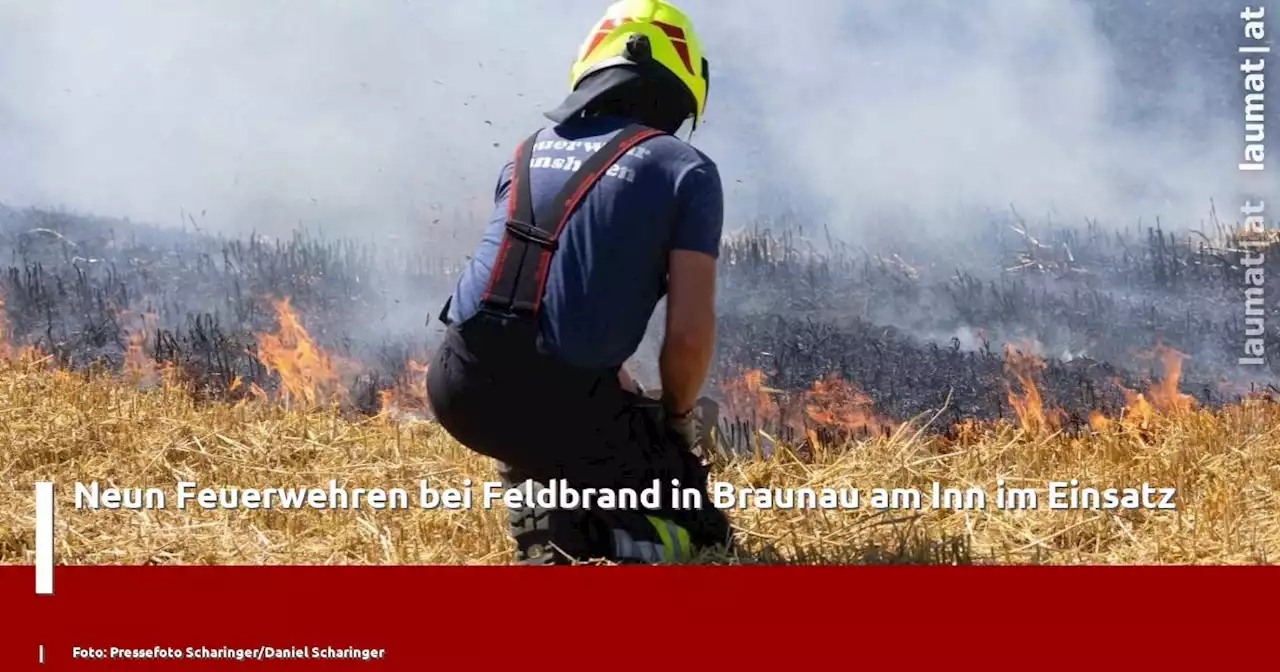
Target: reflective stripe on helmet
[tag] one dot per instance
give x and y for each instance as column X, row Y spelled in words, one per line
column 676, row 33
column 675, row 45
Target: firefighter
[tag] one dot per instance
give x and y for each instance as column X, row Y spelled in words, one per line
column 597, row 218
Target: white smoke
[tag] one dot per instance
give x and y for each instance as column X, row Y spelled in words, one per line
column 396, row 115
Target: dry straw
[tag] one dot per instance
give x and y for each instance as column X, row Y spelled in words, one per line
column 63, row 426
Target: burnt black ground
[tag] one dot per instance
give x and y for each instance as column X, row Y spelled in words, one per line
column 912, row 326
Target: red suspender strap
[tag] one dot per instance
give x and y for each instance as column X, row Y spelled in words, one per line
column 520, row 272
column 519, row 208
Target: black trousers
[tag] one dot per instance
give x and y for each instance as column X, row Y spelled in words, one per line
column 495, row 391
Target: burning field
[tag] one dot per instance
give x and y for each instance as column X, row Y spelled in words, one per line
column 136, row 356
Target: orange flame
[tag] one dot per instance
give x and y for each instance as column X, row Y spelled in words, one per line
column 1165, row 395
column 409, row 395
column 137, row 365
column 836, row 403
column 966, row 432
column 1098, row 421
column 1162, row 398
column 306, row 371
column 832, row 403
column 1029, row 406
column 1138, row 412
column 748, row 397
column 8, row 350
column 387, row 400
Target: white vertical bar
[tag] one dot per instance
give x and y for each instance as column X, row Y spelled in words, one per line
column 44, row 538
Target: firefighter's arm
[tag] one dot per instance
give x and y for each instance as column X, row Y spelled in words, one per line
column 689, row 342
column 691, row 287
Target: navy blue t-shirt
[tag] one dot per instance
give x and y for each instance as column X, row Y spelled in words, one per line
column 610, row 270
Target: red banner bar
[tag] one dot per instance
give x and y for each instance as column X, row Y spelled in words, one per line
column 609, row 617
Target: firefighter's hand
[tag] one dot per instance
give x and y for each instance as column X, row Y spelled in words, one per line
column 684, row 428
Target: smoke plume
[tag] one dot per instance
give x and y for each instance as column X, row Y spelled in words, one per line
column 394, row 117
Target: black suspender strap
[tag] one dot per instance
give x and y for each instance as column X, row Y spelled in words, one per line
column 520, row 272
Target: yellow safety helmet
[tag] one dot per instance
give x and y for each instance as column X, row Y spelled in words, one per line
column 673, row 44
